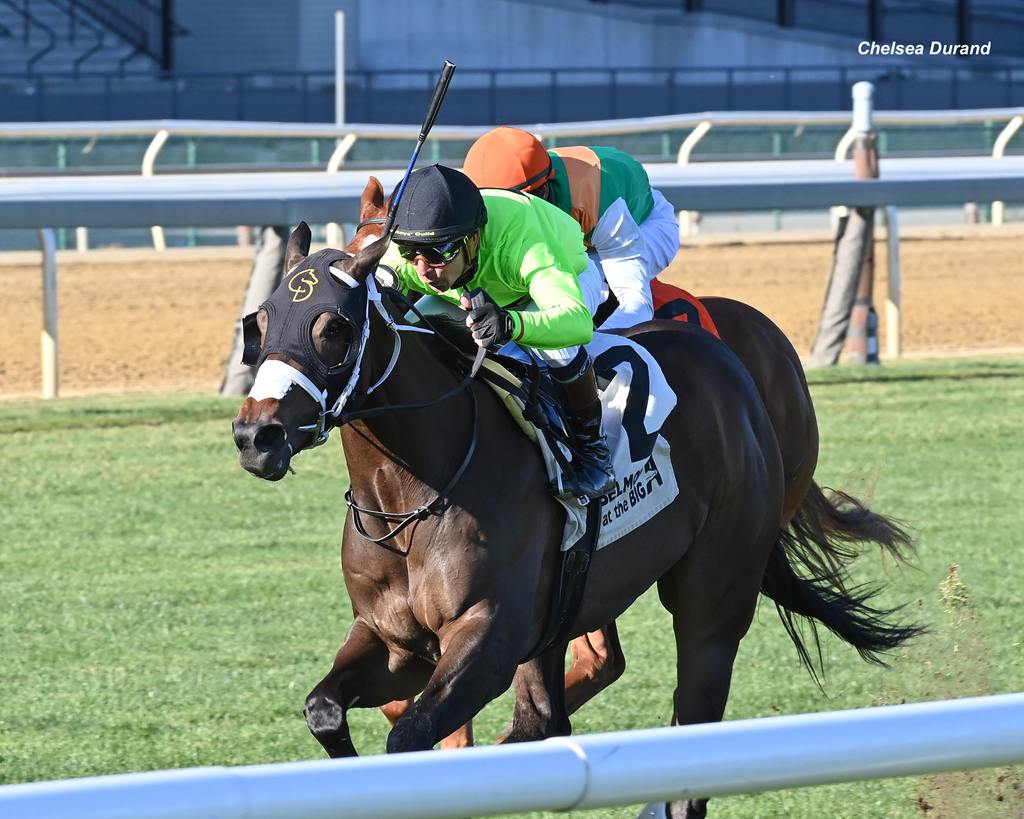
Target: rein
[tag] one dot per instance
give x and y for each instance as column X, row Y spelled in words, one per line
column 439, row 504
column 373, row 220
column 436, row 507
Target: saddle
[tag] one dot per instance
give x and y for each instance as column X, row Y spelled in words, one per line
column 636, row 400
column 530, row 394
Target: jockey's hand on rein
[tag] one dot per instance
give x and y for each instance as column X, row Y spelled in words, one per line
column 492, row 327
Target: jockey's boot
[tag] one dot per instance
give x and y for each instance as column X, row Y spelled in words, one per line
column 594, row 475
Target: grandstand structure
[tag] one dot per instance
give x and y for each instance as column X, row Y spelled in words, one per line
column 519, row 60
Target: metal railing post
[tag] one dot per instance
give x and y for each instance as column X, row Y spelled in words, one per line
column 190, row 160
column 335, row 235
column 689, row 219
column 998, row 152
column 148, row 161
column 893, row 316
column 862, row 332
column 49, row 336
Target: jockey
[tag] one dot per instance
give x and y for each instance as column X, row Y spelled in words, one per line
column 541, row 287
column 628, row 226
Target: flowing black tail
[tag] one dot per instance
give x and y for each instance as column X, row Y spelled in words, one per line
column 820, row 541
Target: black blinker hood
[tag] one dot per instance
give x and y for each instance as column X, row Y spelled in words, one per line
column 306, row 292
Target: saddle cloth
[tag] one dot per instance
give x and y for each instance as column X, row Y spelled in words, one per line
column 636, row 399
column 671, row 302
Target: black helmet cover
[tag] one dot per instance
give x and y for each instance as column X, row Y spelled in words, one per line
column 439, row 204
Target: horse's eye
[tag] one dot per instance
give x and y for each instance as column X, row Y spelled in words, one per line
column 334, row 329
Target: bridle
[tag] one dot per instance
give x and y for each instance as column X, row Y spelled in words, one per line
column 275, row 377
column 373, row 220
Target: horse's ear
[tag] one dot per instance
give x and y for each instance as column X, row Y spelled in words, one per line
column 365, row 262
column 298, row 246
column 372, row 201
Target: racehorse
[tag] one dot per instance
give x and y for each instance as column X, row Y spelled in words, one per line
column 451, row 598
column 826, row 525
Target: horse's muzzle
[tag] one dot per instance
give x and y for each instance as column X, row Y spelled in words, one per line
column 263, row 447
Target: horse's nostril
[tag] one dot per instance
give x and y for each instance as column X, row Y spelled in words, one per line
column 240, row 432
column 269, row 438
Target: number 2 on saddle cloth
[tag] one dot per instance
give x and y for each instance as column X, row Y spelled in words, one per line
column 671, row 302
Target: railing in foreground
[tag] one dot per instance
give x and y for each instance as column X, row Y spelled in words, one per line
column 563, row 774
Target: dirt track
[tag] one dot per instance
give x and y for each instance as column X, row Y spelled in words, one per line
column 136, row 320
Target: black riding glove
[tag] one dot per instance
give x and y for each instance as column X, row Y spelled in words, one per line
column 492, row 327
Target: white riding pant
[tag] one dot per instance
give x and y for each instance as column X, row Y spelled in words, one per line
column 631, row 283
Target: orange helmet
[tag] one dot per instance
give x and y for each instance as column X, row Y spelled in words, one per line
column 508, row 158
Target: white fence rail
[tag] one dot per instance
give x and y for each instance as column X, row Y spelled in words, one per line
column 352, row 131
column 286, row 198
column 576, row 773
column 332, row 197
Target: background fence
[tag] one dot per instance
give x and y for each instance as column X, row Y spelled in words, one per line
column 491, row 96
column 162, row 147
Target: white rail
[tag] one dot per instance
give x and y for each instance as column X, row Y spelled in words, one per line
column 700, row 124
column 286, row 198
column 583, row 772
column 211, row 128
column 347, row 134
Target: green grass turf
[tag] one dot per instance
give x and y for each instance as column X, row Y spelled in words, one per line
column 161, row 608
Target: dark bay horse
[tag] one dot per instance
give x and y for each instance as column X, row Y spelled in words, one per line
column 450, row 600
column 826, row 524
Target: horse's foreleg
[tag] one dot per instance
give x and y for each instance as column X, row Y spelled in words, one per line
column 540, row 710
column 360, row 677
column 474, row 668
column 597, row 662
column 461, row 737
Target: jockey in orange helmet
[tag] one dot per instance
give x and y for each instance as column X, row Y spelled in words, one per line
column 629, row 228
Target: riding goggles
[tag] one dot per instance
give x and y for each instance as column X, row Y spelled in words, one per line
column 434, row 254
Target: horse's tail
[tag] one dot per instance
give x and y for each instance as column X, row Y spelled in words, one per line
column 836, row 521
column 820, row 541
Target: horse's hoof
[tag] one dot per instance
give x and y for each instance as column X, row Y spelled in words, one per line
column 688, row 809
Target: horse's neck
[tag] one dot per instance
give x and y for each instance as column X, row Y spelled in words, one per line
column 420, row 442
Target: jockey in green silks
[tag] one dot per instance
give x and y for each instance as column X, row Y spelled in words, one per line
column 541, row 287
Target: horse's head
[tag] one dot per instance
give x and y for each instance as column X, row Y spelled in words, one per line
column 307, row 341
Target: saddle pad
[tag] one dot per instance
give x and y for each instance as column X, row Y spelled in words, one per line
column 671, row 302
column 636, row 399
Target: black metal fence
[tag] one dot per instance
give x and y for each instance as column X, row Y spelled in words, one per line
column 501, row 96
